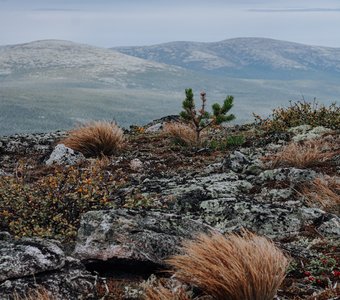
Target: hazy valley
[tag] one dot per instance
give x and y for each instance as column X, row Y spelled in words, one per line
column 49, row 85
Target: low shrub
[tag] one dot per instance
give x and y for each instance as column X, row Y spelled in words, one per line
column 96, row 139
column 245, row 267
column 235, row 140
column 301, row 113
column 52, row 205
column 322, row 271
column 327, row 294
column 230, row 142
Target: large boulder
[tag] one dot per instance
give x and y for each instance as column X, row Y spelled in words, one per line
column 139, row 236
column 63, row 155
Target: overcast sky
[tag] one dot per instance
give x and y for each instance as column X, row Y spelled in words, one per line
column 137, row 22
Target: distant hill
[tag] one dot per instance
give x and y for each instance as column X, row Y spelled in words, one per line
column 76, row 60
column 52, row 84
column 245, row 57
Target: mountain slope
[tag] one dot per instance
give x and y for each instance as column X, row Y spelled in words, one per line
column 83, row 61
column 244, row 57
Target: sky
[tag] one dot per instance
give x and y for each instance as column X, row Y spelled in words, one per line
column 113, row 23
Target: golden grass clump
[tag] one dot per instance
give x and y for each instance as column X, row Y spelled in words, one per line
column 247, row 267
column 324, row 193
column 303, row 155
column 96, row 139
column 181, row 133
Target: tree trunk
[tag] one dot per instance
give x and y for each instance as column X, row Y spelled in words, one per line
column 198, row 136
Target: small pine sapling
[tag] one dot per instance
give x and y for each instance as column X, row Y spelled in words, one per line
column 203, row 119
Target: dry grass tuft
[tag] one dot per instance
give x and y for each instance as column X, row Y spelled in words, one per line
column 161, row 292
column 181, row 133
column 246, row 267
column 96, row 139
column 324, row 193
column 37, row 294
column 303, row 155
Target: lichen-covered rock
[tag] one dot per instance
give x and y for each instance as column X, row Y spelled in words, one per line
column 68, row 283
column 275, row 194
column 28, row 257
column 5, row 236
column 3, row 173
column 154, row 128
column 274, row 220
column 133, row 235
column 29, row 143
column 245, row 162
column 30, row 263
column 331, row 227
column 236, row 161
column 190, row 192
column 301, row 129
column 228, row 214
column 136, row 165
column 286, row 174
column 309, row 133
column 63, row 155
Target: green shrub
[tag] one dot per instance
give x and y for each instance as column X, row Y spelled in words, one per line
column 201, row 119
column 301, row 113
column 235, row 140
column 230, row 141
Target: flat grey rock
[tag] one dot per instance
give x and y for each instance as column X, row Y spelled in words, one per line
column 133, row 235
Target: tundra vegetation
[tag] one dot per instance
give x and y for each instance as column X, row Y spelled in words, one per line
column 301, row 113
column 48, row 201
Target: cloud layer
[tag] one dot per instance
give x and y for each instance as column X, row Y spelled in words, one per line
column 114, row 23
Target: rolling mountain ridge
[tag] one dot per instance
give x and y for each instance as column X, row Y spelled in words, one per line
column 52, row 84
column 244, row 57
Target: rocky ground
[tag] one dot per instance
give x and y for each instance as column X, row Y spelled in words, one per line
column 97, row 228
